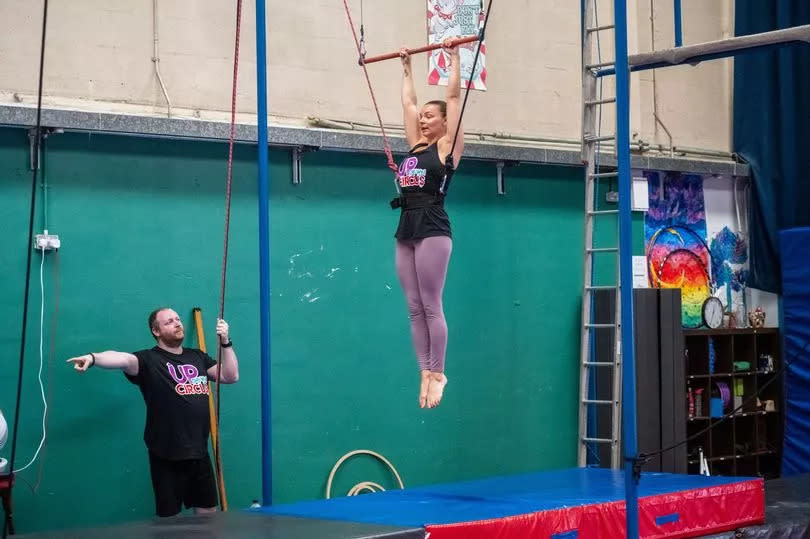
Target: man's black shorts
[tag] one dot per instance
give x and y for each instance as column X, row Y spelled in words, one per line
column 182, row 482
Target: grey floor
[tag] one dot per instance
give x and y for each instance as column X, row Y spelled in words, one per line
column 235, row 525
column 787, row 511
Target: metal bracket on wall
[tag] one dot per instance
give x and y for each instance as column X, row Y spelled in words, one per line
column 500, row 178
column 33, row 160
column 297, row 152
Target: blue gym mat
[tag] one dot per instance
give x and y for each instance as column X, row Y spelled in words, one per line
column 491, row 498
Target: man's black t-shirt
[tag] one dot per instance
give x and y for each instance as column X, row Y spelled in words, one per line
column 175, row 390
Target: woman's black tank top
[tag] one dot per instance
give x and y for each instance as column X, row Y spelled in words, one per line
column 420, row 177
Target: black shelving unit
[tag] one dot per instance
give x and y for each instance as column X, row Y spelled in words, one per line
column 749, row 443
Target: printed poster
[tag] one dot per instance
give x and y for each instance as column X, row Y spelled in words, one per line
column 450, row 19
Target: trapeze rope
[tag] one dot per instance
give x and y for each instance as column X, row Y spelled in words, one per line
column 386, row 146
column 217, row 454
column 449, row 165
column 472, row 71
column 32, row 212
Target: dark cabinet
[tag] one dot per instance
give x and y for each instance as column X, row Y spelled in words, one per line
column 660, row 376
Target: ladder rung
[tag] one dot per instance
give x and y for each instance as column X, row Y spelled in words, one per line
column 602, row 138
column 599, row 28
column 598, row 326
column 603, row 250
column 592, row 401
column 604, row 175
column 601, row 287
column 605, row 101
column 598, row 440
column 599, row 364
column 599, row 65
column 603, row 212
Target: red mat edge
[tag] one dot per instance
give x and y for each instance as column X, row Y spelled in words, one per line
column 700, row 511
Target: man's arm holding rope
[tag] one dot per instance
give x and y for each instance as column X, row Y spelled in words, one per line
column 229, row 370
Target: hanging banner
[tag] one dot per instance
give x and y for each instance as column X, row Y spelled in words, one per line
column 456, row 18
column 675, row 240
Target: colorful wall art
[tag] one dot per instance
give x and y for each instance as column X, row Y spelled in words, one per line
column 730, row 270
column 675, row 244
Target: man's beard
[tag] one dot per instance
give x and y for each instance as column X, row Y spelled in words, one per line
column 173, row 341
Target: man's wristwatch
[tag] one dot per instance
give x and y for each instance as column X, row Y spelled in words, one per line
column 226, row 345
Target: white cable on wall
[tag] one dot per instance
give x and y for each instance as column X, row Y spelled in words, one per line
column 657, row 117
column 41, row 360
column 156, row 57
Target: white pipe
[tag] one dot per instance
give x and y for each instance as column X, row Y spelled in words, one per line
column 723, row 48
column 655, row 86
column 741, row 201
column 156, row 57
column 736, row 203
column 499, row 135
column 360, row 126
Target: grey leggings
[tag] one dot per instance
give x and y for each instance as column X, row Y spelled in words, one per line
column 422, row 268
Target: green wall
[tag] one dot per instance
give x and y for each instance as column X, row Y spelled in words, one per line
column 141, row 223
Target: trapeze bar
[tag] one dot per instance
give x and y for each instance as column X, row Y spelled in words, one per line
column 712, row 50
column 426, row 48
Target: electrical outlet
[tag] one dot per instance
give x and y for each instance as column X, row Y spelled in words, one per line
column 46, row 242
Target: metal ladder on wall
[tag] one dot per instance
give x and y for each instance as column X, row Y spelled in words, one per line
column 596, row 438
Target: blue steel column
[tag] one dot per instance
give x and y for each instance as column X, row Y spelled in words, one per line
column 626, row 266
column 264, row 253
column 678, row 24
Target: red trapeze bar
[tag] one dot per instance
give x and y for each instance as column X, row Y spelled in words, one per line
column 426, row 48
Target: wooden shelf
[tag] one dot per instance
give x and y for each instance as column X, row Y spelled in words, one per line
column 738, row 414
column 748, row 442
column 737, row 456
column 731, row 331
column 727, row 374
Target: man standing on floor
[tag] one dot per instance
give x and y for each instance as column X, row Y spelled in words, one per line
column 174, row 383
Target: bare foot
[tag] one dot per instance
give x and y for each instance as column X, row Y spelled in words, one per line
column 436, row 389
column 423, row 389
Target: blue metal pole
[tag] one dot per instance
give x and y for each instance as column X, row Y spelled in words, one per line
column 626, row 267
column 678, row 24
column 264, row 252
column 582, row 20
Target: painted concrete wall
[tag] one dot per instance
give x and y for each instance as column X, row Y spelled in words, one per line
column 99, row 56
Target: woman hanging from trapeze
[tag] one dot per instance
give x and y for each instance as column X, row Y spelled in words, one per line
column 423, row 237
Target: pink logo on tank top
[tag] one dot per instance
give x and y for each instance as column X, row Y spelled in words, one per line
column 409, row 175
